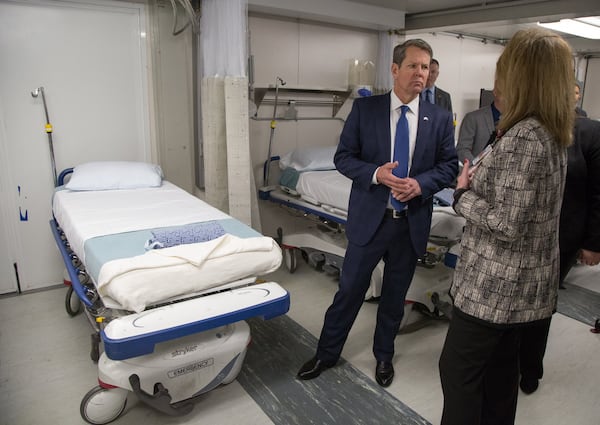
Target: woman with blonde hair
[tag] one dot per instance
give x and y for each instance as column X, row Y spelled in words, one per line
column 507, row 274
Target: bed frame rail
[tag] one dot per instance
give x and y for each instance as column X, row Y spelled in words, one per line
column 73, row 272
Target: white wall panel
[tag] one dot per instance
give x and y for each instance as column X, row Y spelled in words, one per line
column 466, row 66
column 591, row 91
column 325, row 54
column 274, row 45
column 174, row 96
column 90, row 57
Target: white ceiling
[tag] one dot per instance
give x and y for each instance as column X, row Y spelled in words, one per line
column 495, row 20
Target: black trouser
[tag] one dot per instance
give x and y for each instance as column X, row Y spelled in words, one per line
column 479, row 371
column 535, row 336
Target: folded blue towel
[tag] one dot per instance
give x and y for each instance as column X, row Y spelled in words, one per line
column 189, row 233
column 289, row 178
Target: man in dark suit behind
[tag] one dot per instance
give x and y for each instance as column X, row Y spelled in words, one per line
column 374, row 229
column 579, row 236
column 434, row 94
column 478, row 129
column 578, row 89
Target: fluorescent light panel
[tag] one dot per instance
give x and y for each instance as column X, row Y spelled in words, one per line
column 587, row 27
column 592, row 20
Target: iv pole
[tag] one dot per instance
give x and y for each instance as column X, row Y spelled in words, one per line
column 48, row 128
column 273, row 125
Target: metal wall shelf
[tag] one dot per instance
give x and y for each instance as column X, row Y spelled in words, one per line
column 301, row 96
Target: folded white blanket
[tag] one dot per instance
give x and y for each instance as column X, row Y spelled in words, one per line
column 140, row 281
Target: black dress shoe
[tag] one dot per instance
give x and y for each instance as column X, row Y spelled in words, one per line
column 384, row 373
column 529, row 385
column 311, row 369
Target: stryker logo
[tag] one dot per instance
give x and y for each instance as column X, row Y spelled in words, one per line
column 190, row 368
column 183, row 351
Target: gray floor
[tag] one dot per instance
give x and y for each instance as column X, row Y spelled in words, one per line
column 45, row 367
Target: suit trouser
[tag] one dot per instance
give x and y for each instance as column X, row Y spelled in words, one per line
column 535, row 336
column 392, row 243
column 479, row 368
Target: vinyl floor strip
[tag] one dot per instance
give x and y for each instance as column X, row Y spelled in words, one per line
column 579, row 303
column 341, row 395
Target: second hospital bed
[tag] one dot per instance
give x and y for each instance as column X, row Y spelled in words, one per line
column 167, row 282
column 309, row 183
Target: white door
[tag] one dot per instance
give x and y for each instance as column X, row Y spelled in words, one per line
column 90, row 57
column 8, row 280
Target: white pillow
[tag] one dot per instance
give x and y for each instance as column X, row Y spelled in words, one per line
column 309, row 159
column 109, row 175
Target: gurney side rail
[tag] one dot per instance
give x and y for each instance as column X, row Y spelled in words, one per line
column 73, row 272
column 299, row 205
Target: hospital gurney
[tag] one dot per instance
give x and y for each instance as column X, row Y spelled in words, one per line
column 171, row 320
column 320, row 193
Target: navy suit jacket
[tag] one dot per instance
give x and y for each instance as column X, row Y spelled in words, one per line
column 580, row 213
column 365, row 144
column 442, row 98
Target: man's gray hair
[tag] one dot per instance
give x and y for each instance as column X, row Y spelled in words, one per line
column 400, row 49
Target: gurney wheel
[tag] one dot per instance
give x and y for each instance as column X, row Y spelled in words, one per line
column 102, row 405
column 289, row 256
column 72, row 302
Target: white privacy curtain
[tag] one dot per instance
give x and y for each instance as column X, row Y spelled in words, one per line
column 223, row 27
column 229, row 182
column 383, row 74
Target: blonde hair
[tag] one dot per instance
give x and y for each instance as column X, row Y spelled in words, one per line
column 535, row 75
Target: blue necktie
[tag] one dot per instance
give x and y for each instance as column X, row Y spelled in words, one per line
column 401, row 153
column 428, row 97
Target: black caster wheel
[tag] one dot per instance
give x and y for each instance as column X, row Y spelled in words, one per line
column 290, row 260
column 72, row 303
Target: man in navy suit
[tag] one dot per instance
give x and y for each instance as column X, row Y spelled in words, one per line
column 376, row 230
column 434, row 94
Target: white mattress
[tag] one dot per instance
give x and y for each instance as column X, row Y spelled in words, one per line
column 135, row 281
column 325, row 188
column 83, row 215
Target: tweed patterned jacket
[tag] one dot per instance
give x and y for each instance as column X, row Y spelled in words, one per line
column 509, row 263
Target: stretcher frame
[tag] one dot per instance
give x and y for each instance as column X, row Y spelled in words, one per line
column 322, row 249
column 226, row 306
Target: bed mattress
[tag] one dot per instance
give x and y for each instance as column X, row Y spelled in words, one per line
column 331, row 190
column 327, row 188
column 109, row 230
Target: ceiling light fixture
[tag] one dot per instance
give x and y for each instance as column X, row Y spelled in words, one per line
column 586, row 27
